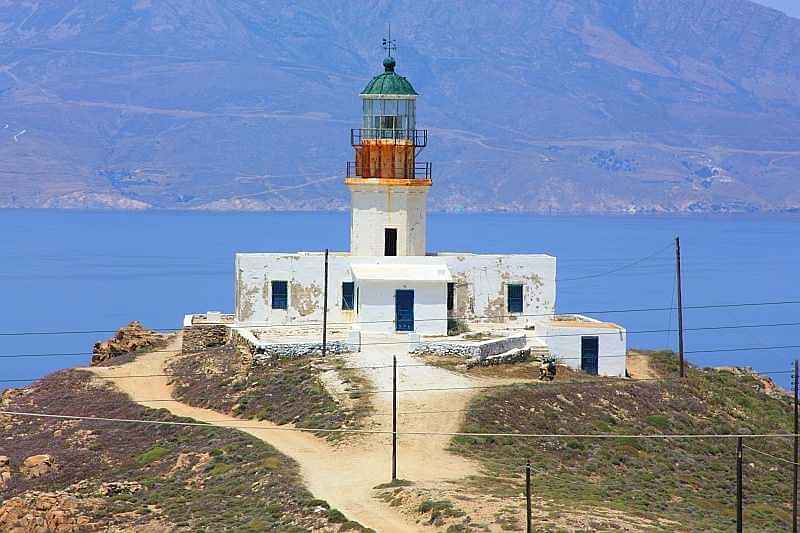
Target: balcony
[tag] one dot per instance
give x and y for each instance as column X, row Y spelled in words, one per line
column 421, row 170
column 417, row 138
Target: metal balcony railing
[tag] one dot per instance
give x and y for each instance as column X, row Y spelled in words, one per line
column 419, row 138
column 422, row 170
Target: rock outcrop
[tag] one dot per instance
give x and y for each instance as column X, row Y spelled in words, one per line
column 131, row 338
column 38, row 466
column 47, row 512
column 5, row 470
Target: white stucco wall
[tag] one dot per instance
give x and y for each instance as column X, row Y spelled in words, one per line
column 376, row 311
column 481, row 289
column 376, row 207
column 565, row 344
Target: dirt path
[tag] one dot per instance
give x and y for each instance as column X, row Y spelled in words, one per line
column 639, row 367
column 343, row 475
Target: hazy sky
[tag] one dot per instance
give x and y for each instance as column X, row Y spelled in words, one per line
column 790, row 7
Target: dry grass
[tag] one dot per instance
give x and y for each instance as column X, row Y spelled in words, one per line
column 242, row 484
column 689, row 481
column 282, row 391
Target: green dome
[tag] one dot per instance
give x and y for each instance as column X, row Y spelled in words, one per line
column 389, row 82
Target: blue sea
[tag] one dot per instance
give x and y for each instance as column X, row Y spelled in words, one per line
column 65, row 271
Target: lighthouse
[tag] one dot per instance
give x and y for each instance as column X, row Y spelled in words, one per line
column 388, row 186
column 390, row 284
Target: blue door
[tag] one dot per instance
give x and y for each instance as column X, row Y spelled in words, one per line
column 404, row 310
column 590, row 354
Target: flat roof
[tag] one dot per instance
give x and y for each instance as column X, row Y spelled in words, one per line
column 579, row 321
column 401, row 272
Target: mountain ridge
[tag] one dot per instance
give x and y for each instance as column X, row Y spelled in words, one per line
column 596, row 106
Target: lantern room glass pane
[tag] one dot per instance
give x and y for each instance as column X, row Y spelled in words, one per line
column 388, row 118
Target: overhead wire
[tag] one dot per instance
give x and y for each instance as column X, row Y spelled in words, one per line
column 770, row 455
column 618, row 269
column 464, row 317
column 387, row 366
column 603, row 436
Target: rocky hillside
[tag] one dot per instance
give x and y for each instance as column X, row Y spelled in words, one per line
column 70, row 476
column 596, row 105
column 677, row 485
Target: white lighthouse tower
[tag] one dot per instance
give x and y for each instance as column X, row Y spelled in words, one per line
column 390, row 284
column 388, row 187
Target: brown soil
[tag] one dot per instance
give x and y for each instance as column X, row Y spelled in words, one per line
column 344, row 475
column 129, row 477
column 639, row 366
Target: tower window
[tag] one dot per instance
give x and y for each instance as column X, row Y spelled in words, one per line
column 451, row 296
column 515, row 298
column 280, row 294
column 348, row 295
column 390, row 242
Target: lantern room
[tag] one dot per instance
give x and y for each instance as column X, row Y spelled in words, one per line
column 389, row 105
column 388, row 142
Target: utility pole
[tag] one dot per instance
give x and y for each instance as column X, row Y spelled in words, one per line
column 394, row 418
column 529, row 522
column 796, row 448
column 680, row 304
column 739, row 485
column 325, row 309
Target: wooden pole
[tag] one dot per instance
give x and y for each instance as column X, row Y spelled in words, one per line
column 680, row 304
column 394, row 417
column 739, row 491
column 529, row 522
column 796, row 447
column 325, row 309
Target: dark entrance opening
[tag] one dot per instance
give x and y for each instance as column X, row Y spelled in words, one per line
column 404, row 310
column 451, row 296
column 390, row 242
column 590, row 354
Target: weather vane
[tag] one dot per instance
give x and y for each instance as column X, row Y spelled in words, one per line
column 388, row 44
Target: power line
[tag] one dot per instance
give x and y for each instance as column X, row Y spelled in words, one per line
column 465, row 317
column 451, row 341
column 618, row 269
column 769, row 455
column 378, row 367
column 666, row 436
column 369, row 392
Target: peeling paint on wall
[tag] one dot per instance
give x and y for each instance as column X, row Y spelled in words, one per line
column 480, row 286
column 247, row 301
column 304, row 299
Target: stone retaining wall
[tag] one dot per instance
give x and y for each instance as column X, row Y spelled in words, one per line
column 509, row 357
column 290, row 351
column 262, row 352
column 470, row 350
column 199, row 337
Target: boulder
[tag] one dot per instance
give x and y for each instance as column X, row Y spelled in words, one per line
column 46, row 512
column 5, row 470
column 131, row 338
column 37, row 466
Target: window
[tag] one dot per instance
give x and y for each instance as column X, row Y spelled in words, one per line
column 348, row 303
column 390, row 242
column 515, row 298
column 451, row 296
column 280, row 295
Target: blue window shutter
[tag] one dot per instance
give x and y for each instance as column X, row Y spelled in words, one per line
column 515, row 298
column 348, row 295
column 280, row 295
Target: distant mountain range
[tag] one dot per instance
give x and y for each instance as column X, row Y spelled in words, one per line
column 563, row 106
